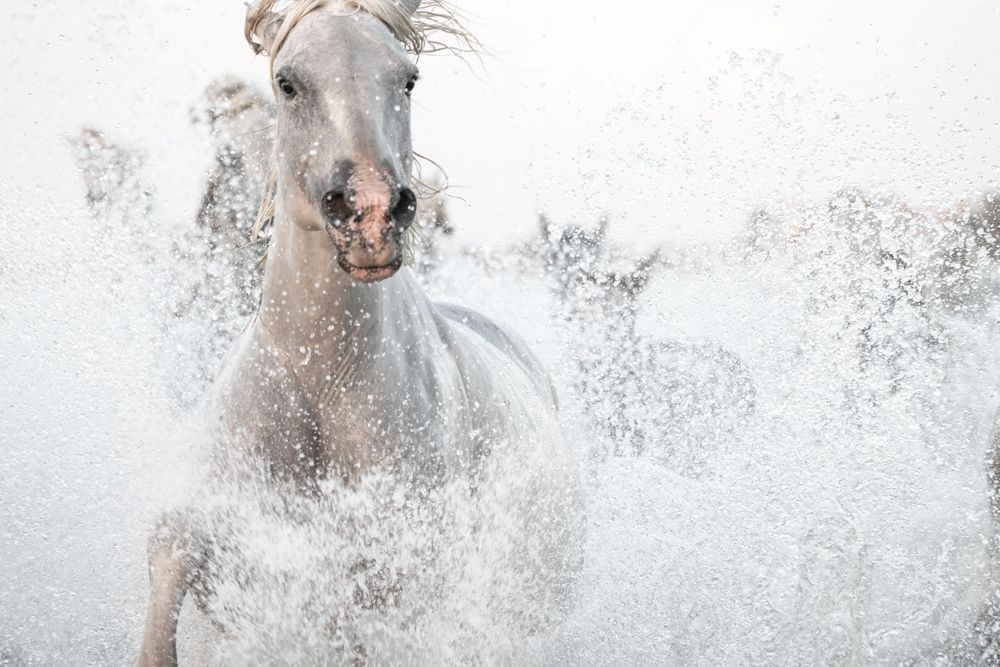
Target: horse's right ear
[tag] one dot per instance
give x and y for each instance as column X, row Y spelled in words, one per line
column 262, row 26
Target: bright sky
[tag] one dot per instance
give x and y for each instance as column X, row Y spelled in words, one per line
column 677, row 118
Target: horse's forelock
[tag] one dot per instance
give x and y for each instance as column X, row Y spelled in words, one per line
column 412, row 22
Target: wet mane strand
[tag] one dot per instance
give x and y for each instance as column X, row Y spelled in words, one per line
column 415, row 31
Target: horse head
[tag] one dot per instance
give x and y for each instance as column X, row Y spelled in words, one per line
column 342, row 82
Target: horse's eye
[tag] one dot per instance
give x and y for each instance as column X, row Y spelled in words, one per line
column 410, row 84
column 286, row 87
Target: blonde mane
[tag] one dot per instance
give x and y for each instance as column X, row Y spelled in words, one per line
column 415, row 30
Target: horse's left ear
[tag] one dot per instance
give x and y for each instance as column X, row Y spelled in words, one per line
column 409, row 5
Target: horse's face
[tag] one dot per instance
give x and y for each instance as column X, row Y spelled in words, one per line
column 342, row 85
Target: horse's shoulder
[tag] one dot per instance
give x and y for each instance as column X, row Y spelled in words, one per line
column 504, row 339
column 257, row 385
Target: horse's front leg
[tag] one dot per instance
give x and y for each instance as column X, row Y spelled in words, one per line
column 176, row 555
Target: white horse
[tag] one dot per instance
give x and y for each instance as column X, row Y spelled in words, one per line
column 347, row 369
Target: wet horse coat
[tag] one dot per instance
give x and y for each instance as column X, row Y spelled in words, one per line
column 347, row 367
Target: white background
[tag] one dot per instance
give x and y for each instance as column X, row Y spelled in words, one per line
column 677, row 118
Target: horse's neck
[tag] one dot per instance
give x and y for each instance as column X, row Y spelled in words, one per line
column 321, row 320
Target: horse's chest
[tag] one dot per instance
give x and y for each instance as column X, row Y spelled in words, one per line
column 401, row 425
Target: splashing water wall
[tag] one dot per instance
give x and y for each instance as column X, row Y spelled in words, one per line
column 775, row 361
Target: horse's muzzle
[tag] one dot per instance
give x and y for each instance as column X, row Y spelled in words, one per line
column 367, row 227
column 370, row 274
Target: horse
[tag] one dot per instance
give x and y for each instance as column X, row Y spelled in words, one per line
column 347, row 372
column 672, row 401
column 115, row 193
column 241, row 123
